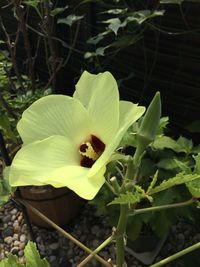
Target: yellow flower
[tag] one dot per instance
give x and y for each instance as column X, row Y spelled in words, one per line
column 69, row 140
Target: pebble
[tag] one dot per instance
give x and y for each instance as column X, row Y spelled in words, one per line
column 8, row 240
column 6, row 219
column 54, row 246
column 23, row 238
column 13, row 211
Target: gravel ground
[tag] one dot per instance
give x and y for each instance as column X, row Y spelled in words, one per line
column 90, row 230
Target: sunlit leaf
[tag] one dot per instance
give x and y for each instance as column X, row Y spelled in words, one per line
column 128, row 198
column 180, row 178
column 32, row 256
column 167, row 142
column 70, row 20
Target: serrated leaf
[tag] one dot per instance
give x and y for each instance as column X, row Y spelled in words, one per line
column 185, row 144
column 128, row 198
column 70, row 20
column 153, row 182
column 164, row 121
column 167, row 142
column 11, row 261
column 32, row 256
column 197, row 163
column 180, row 178
column 194, row 188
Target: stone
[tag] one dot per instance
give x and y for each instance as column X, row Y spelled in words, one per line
column 7, row 232
column 8, row 240
column 54, row 246
column 14, row 250
column 16, row 243
column 6, row 218
column 15, row 236
column 23, row 238
column 13, row 217
column 20, row 218
column 22, row 245
column 21, row 253
column 13, row 211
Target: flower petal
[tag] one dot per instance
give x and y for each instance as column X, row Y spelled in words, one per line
column 54, row 161
column 54, row 115
column 76, row 178
column 129, row 113
column 99, row 94
column 35, row 162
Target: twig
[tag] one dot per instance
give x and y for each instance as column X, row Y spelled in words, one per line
column 99, row 248
column 63, row 232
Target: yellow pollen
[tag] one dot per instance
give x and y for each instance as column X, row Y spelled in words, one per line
column 90, row 153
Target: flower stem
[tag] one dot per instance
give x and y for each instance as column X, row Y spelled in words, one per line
column 176, row 255
column 94, row 252
column 121, row 228
column 157, row 208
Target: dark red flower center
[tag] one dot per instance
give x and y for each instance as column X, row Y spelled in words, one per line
column 90, row 151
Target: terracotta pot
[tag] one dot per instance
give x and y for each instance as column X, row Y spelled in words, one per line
column 58, row 204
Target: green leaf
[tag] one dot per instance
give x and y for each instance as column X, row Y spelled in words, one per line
column 11, row 261
column 180, row 178
column 167, row 164
column 58, row 10
column 197, row 161
column 70, row 20
column 115, row 24
column 32, row 3
column 97, row 38
column 142, row 15
column 194, row 188
column 32, row 256
column 185, row 144
column 128, row 198
column 164, row 121
column 115, row 11
column 167, row 142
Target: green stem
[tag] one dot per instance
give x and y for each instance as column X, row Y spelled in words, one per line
column 120, row 232
column 157, row 208
column 99, row 248
column 176, row 255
